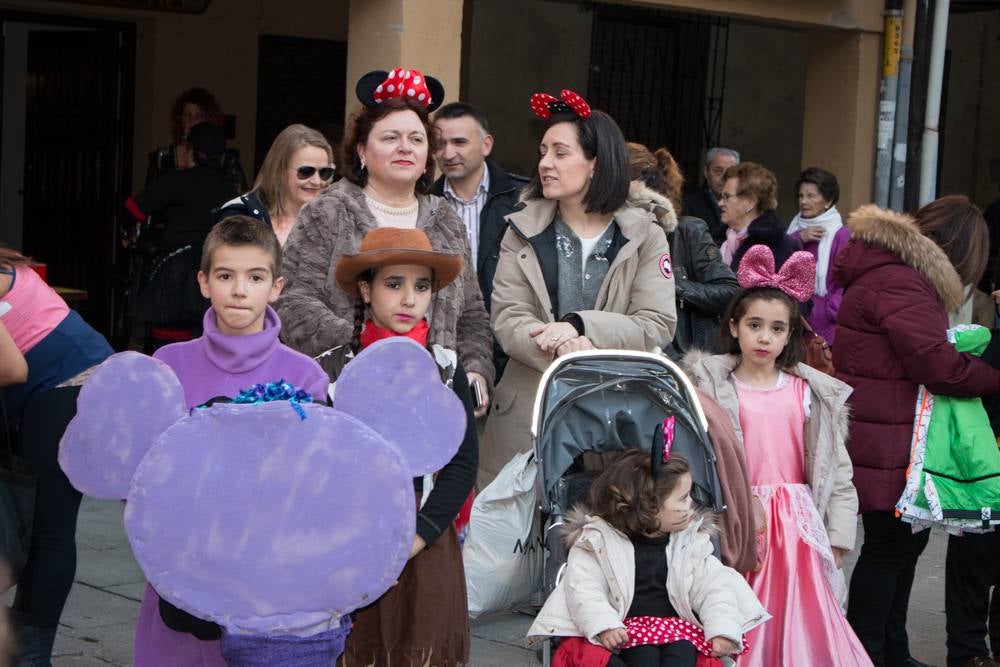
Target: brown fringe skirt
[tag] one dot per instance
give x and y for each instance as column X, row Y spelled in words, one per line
column 422, row 621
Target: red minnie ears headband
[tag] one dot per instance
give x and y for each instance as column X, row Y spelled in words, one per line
column 376, row 87
column 796, row 278
column 544, row 105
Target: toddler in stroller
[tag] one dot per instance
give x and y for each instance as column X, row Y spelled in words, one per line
column 641, row 577
column 590, row 406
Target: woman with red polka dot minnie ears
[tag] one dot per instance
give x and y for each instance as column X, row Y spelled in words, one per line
column 388, row 168
column 641, row 578
column 579, row 268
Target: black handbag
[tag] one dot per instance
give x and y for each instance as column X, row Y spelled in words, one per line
column 17, row 507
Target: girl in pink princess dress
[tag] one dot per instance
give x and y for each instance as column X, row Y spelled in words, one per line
column 793, row 421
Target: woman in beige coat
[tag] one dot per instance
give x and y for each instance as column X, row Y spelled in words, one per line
column 578, row 270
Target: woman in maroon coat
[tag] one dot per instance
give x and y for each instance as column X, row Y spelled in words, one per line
column 903, row 276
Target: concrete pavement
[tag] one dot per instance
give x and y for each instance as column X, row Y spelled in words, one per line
column 97, row 625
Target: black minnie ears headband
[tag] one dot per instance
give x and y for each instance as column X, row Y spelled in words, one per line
column 663, row 443
column 544, row 105
column 376, row 87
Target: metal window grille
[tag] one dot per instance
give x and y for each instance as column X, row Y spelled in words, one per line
column 299, row 80
column 660, row 74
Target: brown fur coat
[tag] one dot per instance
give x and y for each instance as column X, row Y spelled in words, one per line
column 317, row 315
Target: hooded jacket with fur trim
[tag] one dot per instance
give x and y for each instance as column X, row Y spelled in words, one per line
column 599, row 581
column 890, row 339
column 703, row 283
column 634, row 310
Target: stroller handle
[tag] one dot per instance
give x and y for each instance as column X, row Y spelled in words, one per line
column 614, row 355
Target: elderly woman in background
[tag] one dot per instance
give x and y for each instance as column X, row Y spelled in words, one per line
column 703, row 282
column 579, row 269
column 821, row 231
column 388, row 169
column 749, row 198
column 297, row 167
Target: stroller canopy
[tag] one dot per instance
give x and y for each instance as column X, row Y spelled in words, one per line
column 604, row 401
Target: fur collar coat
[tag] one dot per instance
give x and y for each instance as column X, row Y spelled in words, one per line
column 318, row 316
column 596, row 590
column 899, row 288
column 634, row 310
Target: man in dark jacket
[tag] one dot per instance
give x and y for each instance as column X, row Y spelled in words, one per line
column 704, row 202
column 479, row 191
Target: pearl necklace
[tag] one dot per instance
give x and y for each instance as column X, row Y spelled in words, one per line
column 409, row 209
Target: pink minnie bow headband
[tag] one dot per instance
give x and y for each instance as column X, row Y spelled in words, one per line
column 796, row 278
column 544, row 105
column 376, row 87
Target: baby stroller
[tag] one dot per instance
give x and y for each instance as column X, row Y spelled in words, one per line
column 596, row 402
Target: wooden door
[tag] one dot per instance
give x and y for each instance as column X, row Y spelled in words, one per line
column 78, row 136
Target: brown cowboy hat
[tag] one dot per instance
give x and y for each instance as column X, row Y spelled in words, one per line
column 386, row 246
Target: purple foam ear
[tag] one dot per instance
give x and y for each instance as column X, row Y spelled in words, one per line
column 125, row 405
column 395, row 387
column 265, row 523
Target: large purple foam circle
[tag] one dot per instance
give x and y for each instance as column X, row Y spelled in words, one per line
column 395, row 386
column 123, row 407
column 263, row 523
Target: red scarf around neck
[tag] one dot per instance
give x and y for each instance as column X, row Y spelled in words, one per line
column 373, row 332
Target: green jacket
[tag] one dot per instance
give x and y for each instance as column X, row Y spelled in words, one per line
column 954, row 475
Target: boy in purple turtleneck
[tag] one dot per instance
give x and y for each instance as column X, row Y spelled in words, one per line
column 240, row 274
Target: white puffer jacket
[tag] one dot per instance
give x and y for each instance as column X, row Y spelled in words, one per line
column 599, row 582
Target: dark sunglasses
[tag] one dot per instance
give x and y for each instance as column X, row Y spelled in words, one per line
column 304, row 173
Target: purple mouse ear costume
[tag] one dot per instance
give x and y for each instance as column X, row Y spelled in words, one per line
column 413, row 408
column 256, row 519
column 125, row 405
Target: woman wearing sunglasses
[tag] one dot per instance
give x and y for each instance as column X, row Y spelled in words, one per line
column 298, row 165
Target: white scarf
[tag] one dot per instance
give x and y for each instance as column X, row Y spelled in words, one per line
column 831, row 223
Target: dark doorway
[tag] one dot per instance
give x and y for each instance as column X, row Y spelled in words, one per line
column 660, row 74
column 299, row 81
column 76, row 129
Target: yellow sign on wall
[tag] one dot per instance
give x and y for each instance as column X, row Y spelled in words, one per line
column 893, row 40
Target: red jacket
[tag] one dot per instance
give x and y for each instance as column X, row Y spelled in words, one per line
column 890, row 339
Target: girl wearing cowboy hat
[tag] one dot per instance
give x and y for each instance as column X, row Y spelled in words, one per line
column 424, row 618
column 387, row 162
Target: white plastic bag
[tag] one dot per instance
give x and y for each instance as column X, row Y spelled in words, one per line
column 503, row 550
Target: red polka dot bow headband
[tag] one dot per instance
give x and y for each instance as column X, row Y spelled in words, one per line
column 796, row 278
column 544, row 105
column 376, row 87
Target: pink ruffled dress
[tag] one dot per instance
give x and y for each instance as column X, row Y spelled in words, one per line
column 798, row 583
